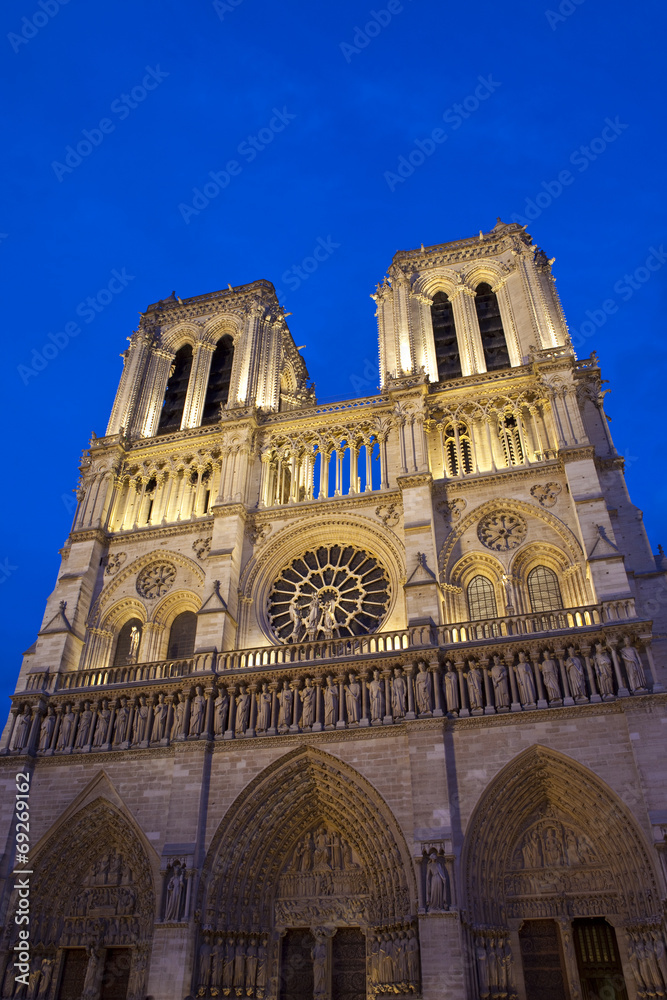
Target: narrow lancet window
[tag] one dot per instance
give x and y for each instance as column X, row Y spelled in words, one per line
column 444, row 338
column 219, row 380
column 494, row 343
column 177, row 390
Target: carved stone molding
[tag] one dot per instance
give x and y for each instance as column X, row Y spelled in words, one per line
column 114, row 563
column 546, row 494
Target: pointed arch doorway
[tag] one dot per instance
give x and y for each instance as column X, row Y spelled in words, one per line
column 308, row 890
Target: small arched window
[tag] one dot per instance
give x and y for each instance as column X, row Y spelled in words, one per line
column 444, row 338
column 543, row 590
column 219, row 379
column 177, row 390
column 458, row 450
column 182, row 636
column 127, row 644
column 481, row 599
column 494, row 343
column 510, row 439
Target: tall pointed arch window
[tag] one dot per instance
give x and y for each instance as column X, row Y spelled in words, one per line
column 182, row 636
column 481, row 599
column 444, row 338
column 177, row 390
column 219, row 379
column 494, row 343
column 543, row 590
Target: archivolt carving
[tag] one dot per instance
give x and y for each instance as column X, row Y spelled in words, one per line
column 549, row 837
column 306, row 809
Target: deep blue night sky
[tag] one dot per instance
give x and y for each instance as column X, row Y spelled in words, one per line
column 315, row 111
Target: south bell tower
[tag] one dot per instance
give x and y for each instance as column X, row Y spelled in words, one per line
column 268, row 608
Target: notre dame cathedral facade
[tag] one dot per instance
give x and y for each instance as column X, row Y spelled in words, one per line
column 337, row 701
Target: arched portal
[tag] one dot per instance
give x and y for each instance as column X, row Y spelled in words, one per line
column 308, row 849
column 92, row 908
column 548, row 844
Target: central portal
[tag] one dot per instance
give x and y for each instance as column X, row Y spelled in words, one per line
column 323, row 966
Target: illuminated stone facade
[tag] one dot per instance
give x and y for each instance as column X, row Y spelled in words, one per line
column 341, row 700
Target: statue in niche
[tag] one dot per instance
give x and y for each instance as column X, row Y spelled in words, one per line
column 175, row 892
column 575, row 675
column 228, row 967
column 239, row 962
column 140, row 725
column 525, row 681
column 243, row 710
column 102, row 726
column 353, row 699
column 177, row 728
column 197, row 712
column 413, row 958
column 501, row 692
column 336, row 851
column 552, row 850
column 90, row 985
column 204, row 966
column 85, row 722
column 46, row 970
column 399, row 695
column 423, row 690
column 135, row 638
column 482, row 968
column 263, row 709
column 319, row 957
column 46, row 729
column 160, row 712
column 348, row 860
column 329, row 622
column 376, row 697
column 603, row 671
column 437, row 894
column 451, row 683
column 286, row 701
column 22, row 729
column 572, row 849
column 295, row 619
column 330, row 703
column 251, row 964
column 549, row 670
column 262, row 957
column 66, row 729
column 531, row 850
column 303, row 858
column 307, row 696
column 217, row 960
column 633, row 666
column 220, row 712
column 473, row 677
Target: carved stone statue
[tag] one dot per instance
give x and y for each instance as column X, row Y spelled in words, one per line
column 399, row 695
column 102, row 725
column 376, row 697
column 474, row 679
column 423, row 693
column 353, row 699
column 437, row 894
column 83, row 732
column 307, row 696
column 604, row 671
column 239, row 962
column 46, row 729
column 633, row 666
column 575, row 675
column 204, row 965
column 178, row 726
column 329, row 622
column 135, row 638
column 46, row 970
column 22, row 729
column 220, row 712
column 160, row 712
column 312, row 618
column 501, row 692
column 330, row 703
column 263, row 709
column 198, row 712
column 525, row 681
column 413, row 958
column 228, row 967
column 262, row 958
column 549, row 670
column 286, row 701
column 243, row 710
column 451, row 684
column 140, row 723
column 251, row 964
column 175, row 892
column 66, row 728
column 319, row 957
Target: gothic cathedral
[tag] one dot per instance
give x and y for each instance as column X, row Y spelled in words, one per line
column 337, row 701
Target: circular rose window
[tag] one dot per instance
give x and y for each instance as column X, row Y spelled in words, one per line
column 156, row 580
column 332, row 591
column 502, row 531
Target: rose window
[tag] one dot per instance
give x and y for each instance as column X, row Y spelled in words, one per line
column 501, row 531
column 333, row 591
column 156, row 580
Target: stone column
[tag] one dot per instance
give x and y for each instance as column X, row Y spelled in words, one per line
column 388, row 717
column 317, row 725
column 341, row 723
column 362, row 678
column 229, row 732
column 585, row 652
column 252, row 721
column 509, row 663
column 409, row 671
column 37, row 716
column 622, row 689
column 296, row 701
column 464, row 711
column 489, row 708
column 541, row 696
column 211, row 693
column 273, row 688
column 434, row 667
column 657, row 686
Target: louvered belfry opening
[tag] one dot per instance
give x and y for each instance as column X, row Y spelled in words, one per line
column 219, row 379
column 176, row 391
column 496, row 354
column 444, row 337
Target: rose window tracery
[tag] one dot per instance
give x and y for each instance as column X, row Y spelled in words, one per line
column 502, row 531
column 333, row 591
column 156, row 580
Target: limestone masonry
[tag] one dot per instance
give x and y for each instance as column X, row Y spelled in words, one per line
column 335, row 701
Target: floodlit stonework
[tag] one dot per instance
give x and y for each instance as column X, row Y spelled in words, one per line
column 335, row 701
